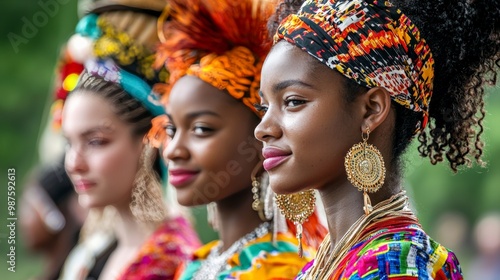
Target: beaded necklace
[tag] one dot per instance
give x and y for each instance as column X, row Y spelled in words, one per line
column 216, row 262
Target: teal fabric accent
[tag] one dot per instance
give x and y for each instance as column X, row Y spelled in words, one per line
column 246, row 256
column 87, row 26
column 191, row 269
column 131, row 83
column 164, row 173
column 139, row 89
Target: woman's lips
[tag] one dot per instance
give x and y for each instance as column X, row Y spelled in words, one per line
column 83, row 185
column 179, row 177
column 274, row 157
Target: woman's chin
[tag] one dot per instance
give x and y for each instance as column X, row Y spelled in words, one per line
column 87, row 202
column 282, row 186
column 188, row 198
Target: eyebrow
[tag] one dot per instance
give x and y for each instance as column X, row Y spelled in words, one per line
column 93, row 130
column 196, row 114
column 288, row 83
column 97, row 129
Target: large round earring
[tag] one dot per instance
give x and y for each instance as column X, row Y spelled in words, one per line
column 297, row 207
column 365, row 169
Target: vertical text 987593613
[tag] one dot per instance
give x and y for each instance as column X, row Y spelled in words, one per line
column 11, row 219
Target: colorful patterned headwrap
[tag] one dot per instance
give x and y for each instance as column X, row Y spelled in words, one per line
column 223, row 43
column 370, row 42
column 132, row 84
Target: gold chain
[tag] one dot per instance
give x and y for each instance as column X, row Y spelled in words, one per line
column 327, row 260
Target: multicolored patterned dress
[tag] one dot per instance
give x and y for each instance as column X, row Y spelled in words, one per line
column 259, row 259
column 398, row 253
column 170, row 245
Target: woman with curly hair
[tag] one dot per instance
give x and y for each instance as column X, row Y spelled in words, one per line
column 346, row 88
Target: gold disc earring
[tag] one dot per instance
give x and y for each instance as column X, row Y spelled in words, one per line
column 297, row 208
column 365, row 168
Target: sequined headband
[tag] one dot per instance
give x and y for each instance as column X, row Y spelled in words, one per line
column 132, row 84
column 370, row 42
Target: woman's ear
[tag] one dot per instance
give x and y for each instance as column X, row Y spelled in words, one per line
column 376, row 106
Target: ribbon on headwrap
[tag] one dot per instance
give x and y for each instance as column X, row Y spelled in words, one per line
column 370, row 42
column 132, row 84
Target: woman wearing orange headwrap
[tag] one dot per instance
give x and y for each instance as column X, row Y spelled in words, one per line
column 214, row 52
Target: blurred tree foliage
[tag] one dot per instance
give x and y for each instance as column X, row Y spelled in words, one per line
column 31, row 33
column 28, row 56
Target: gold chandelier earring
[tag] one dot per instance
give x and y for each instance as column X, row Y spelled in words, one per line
column 365, row 168
column 297, row 208
column 258, row 203
column 147, row 204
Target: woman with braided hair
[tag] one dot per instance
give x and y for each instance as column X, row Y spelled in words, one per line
column 131, row 233
column 345, row 89
column 214, row 51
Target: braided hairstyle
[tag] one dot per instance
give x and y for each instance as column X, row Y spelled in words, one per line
column 127, row 108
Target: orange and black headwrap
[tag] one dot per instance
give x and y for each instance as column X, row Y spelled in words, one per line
column 224, row 43
column 370, row 42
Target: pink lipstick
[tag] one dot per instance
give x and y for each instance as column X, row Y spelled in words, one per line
column 179, row 177
column 274, row 157
column 83, row 185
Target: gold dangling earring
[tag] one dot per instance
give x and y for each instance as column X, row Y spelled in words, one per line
column 257, row 204
column 365, row 168
column 147, row 204
column 297, row 208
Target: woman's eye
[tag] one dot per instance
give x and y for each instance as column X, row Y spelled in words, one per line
column 97, row 142
column 294, row 102
column 261, row 108
column 202, row 130
column 170, row 130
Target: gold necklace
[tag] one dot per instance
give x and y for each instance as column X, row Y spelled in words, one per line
column 327, row 260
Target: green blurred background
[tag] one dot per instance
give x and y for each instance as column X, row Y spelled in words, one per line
column 448, row 205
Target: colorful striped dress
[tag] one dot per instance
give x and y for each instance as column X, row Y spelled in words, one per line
column 259, row 259
column 400, row 253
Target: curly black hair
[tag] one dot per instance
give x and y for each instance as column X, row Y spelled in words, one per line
column 283, row 9
column 464, row 39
